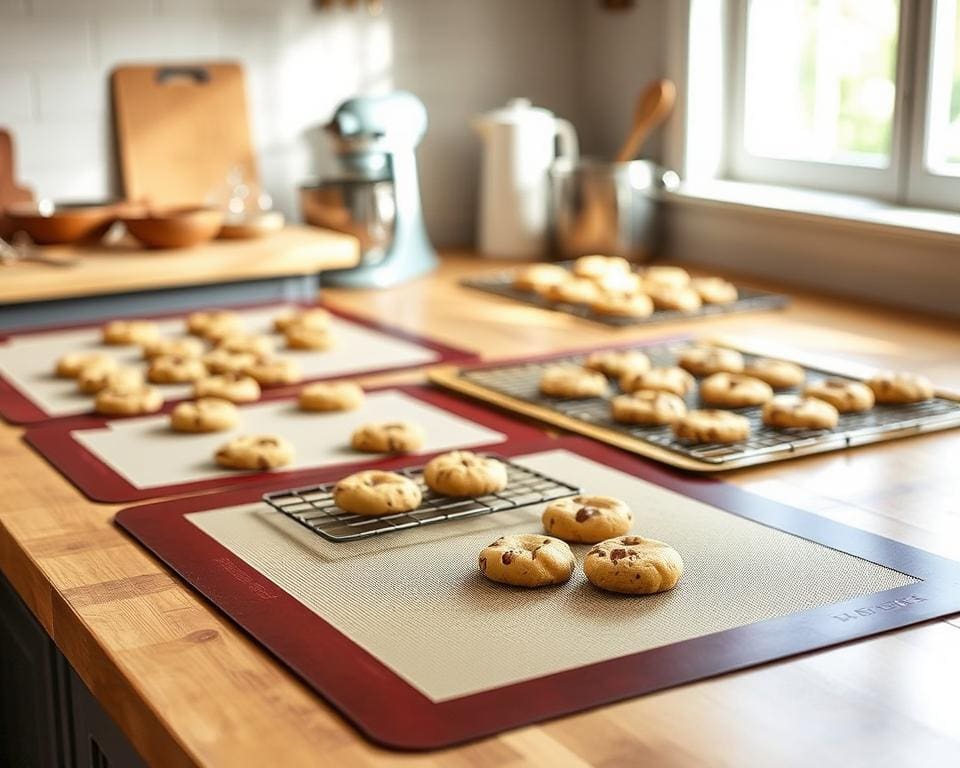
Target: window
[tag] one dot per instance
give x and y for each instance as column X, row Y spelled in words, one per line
column 859, row 96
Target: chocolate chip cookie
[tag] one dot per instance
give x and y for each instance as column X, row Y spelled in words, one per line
column 208, row 414
column 703, row 361
column 712, row 426
column 124, row 332
column 597, row 266
column 314, row 317
column 794, row 412
column 670, row 297
column 665, row 275
column 715, row 290
column 623, row 305
column 647, row 407
column 388, row 437
column 71, row 364
column 527, row 560
column 335, row 396
column 255, row 452
column 235, row 387
column 175, row 369
column 128, row 402
column 779, row 374
column 667, row 379
column 463, row 473
column 538, row 277
column 633, row 565
column 275, row 372
column 898, row 387
column 225, row 361
column 95, row 378
column 843, row 394
column 572, row 381
column 616, row 362
column 375, row 493
column 734, row 390
column 308, row 337
column 252, row 343
column 587, row 519
column 214, row 324
column 186, row 346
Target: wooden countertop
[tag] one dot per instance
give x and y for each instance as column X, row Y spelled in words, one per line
column 295, row 250
column 188, row 687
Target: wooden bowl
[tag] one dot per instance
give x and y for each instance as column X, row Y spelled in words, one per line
column 175, row 227
column 258, row 225
column 62, row 223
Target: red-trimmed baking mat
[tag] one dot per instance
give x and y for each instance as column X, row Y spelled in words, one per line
column 88, row 465
column 415, row 672
column 18, row 407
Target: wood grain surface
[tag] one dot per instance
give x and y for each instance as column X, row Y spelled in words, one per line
column 188, row 688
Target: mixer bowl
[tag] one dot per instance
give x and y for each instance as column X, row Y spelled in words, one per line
column 363, row 208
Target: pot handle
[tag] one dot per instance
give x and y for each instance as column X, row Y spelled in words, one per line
column 567, row 144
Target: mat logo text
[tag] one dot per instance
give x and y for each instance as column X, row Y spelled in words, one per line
column 893, row 605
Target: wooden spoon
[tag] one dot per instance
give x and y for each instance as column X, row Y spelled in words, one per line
column 653, row 107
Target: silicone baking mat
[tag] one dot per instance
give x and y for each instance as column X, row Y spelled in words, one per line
column 404, row 636
column 501, row 284
column 142, row 458
column 514, row 385
column 30, row 392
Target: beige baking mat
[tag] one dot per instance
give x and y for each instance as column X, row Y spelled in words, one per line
column 415, row 600
column 27, row 361
column 149, row 454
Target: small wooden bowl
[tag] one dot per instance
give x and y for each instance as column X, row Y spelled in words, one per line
column 175, row 227
column 64, row 223
column 259, row 225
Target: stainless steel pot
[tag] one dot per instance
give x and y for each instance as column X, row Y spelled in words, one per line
column 364, row 208
column 606, row 207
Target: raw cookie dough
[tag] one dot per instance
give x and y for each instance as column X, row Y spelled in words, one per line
column 844, row 395
column 208, row 414
column 255, row 452
column 633, row 565
column 527, row 560
column 647, row 407
column 388, row 437
column 375, row 493
column 463, row 473
column 336, row 396
column 572, row 381
column 795, row 412
column 712, row 426
column 587, row 519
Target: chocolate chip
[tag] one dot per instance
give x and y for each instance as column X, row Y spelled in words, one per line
column 618, row 554
column 533, row 555
column 483, row 564
column 585, row 513
column 506, row 558
column 631, row 540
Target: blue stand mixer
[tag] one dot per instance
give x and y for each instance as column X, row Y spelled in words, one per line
column 378, row 197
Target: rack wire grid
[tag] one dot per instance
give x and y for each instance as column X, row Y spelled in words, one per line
column 314, row 508
column 501, row 284
column 522, row 382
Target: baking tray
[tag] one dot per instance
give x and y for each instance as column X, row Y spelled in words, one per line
column 501, row 284
column 125, row 460
column 29, row 392
column 402, row 634
column 514, row 385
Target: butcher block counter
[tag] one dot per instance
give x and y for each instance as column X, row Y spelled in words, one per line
column 187, row 687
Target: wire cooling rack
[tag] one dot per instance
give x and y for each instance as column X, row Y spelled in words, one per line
column 313, row 506
column 521, row 381
column 501, row 284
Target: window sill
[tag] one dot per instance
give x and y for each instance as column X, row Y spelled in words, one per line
column 825, row 208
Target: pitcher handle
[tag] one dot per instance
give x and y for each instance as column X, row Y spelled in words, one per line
column 567, row 143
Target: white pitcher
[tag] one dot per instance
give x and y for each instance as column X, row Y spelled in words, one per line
column 520, row 143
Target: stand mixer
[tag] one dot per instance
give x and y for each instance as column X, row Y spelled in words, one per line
column 378, row 197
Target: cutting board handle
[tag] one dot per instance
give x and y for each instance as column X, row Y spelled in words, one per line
column 198, row 75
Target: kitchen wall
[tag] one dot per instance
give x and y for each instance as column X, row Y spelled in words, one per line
column 461, row 56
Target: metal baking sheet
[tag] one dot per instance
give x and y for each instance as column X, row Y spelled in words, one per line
column 516, row 385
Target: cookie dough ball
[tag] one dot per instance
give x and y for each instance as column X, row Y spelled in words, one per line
column 250, row 343
column 587, row 519
column 712, row 426
column 186, row 346
column 274, row 372
column 335, row 396
column 308, row 337
column 463, row 474
column 668, row 379
column 715, row 290
column 95, row 378
column 214, row 324
column 669, row 297
column 124, row 332
column 388, row 437
column 844, row 395
column 527, row 560
column 793, row 412
column 636, row 305
column 208, row 414
column 899, row 387
column 174, row 369
column 572, row 381
column 633, row 565
column 314, row 317
column 225, row 361
column 128, row 402
column 734, row 390
column 576, row 290
column 598, row 266
column 662, row 275
column 374, row 493
column 261, row 452
column 235, row 387
column 71, row 364
column 539, row 277
column 703, row 361
column 616, row 362
column 647, row 408
column 779, row 374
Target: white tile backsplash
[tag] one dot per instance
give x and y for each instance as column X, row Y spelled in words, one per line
column 462, row 57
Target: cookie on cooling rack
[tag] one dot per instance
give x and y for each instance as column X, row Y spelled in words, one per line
column 464, row 473
column 647, row 407
column 527, row 560
column 715, row 290
column 677, row 298
column 779, row 374
column 616, row 362
column 374, row 493
column 843, row 394
column 587, row 519
column 900, row 387
column 795, row 412
column 703, row 361
column 712, row 426
column 665, row 379
column 734, row 390
column 572, row 381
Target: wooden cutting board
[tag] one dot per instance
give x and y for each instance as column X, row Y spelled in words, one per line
column 180, row 130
